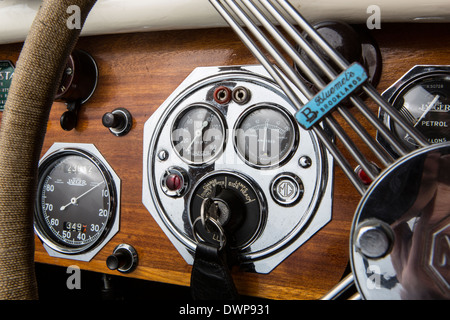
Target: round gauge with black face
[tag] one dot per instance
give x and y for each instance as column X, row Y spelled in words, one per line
column 198, row 134
column 265, row 136
column 426, row 104
column 75, row 201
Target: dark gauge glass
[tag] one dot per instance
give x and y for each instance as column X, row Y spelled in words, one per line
column 426, row 104
column 198, row 134
column 75, row 201
column 265, row 136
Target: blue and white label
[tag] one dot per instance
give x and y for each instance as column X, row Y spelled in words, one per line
column 328, row 98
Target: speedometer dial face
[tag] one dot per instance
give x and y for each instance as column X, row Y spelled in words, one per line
column 426, row 104
column 198, row 134
column 75, row 201
column 265, row 136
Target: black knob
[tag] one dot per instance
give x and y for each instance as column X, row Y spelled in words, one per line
column 119, row 121
column 117, row 260
column 111, row 120
column 68, row 120
column 123, row 259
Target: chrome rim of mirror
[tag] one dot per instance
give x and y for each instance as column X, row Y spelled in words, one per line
column 400, row 235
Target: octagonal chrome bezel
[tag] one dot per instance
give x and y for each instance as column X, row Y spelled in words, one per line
column 113, row 229
column 293, row 225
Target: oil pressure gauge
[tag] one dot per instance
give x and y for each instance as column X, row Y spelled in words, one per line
column 77, row 202
column 198, row 134
column 422, row 96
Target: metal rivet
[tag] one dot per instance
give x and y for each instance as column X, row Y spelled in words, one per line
column 305, row 162
column 163, row 155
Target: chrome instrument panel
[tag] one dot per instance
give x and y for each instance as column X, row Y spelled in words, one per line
column 294, row 192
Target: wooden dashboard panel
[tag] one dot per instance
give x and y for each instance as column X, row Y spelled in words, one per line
column 138, row 72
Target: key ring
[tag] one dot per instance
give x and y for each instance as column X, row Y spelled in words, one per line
column 204, row 213
column 222, row 238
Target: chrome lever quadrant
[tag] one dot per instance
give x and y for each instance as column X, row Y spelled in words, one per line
column 262, row 26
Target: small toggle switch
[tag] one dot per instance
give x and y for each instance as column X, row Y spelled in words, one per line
column 123, row 259
column 119, row 121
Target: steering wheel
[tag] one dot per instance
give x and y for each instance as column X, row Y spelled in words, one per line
column 37, row 76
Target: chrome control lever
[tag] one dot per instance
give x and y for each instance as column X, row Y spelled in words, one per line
column 252, row 14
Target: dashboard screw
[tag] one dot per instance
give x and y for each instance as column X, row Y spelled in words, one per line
column 163, row 155
column 305, row 162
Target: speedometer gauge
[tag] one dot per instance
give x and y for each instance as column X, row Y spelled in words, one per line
column 422, row 96
column 76, row 201
column 265, row 136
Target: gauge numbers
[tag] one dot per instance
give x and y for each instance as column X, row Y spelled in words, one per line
column 75, row 201
column 265, row 136
column 198, row 134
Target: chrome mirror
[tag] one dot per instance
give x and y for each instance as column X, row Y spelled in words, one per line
column 401, row 230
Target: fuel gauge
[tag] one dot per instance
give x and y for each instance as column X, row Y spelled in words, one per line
column 422, row 96
column 265, row 136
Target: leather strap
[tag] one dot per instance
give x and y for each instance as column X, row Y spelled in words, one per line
column 211, row 277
